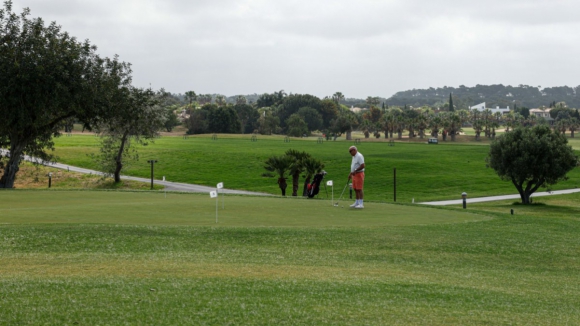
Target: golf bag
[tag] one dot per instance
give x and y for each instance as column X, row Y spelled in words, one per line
column 314, row 186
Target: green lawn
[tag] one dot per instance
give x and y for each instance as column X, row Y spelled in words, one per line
column 143, row 258
column 424, row 172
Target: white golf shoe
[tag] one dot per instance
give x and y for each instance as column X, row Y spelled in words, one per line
column 359, row 206
column 354, row 205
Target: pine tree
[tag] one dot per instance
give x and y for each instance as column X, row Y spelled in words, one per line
column 451, row 109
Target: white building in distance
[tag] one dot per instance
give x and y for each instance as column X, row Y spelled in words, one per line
column 481, row 107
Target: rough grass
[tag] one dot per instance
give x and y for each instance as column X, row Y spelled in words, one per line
column 36, row 177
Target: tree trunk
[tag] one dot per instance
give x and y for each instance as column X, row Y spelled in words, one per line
column 349, row 135
column 119, row 159
column 526, row 193
column 12, row 167
column 295, row 181
column 283, row 185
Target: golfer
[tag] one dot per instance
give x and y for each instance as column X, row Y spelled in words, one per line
column 357, row 174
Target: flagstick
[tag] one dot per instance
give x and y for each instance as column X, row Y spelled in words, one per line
column 217, row 198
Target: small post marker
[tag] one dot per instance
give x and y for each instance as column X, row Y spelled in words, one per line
column 152, row 162
column 164, row 188
column 213, row 194
column 464, row 196
column 331, row 184
column 220, row 186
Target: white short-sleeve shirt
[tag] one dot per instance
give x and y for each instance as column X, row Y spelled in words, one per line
column 357, row 160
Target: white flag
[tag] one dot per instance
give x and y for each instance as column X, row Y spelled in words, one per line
column 213, row 194
column 220, row 185
column 329, row 183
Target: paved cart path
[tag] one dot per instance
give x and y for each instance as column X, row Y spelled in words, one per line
column 504, row 197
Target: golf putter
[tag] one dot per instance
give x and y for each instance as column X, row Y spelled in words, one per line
column 342, row 193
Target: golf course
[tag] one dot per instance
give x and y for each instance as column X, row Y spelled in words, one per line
column 80, row 256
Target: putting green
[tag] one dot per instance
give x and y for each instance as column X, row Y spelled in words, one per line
column 158, row 208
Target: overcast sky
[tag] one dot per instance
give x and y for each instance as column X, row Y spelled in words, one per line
column 358, row 47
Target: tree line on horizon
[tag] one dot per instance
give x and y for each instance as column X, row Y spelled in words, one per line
column 464, row 97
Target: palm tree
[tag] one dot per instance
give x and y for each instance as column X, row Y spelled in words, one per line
column 422, row 124
column 280, row 165
column 296, row 168
column 435, row 123
column 241, row 99
column 477, row 127
column 337, row 97
column 452, row 123
column 486, row 116
column 190, row 96
column 573, row 126
column 510, row 120
column 366, row 126
column 561, row 125
column 311, row 166
column 220, row 100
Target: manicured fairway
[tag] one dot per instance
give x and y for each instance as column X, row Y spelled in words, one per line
column 424, row 172
column 138, row 258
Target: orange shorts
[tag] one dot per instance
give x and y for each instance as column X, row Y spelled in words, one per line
column 358, row 181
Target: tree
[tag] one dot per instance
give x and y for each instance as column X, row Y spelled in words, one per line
column 220, row 100
column 246, row 113
column 241, row 99
column 296, row 168
column 46, row 78
column 329, row 111
column 171, row 120
column 296, row 126
column 204, row 99
column 291, row 104
column 372, row 101
column 197, row 121
column 531, row 158
column 366, row 127
column 337, row 97
column 139, row 118
column 344, row 123
column 280, row 165
column 573, row 126
column 268, row 123
column 312, row 118
column 451, row 108
column 190, row 96
column 169, row 102
column 223, row 119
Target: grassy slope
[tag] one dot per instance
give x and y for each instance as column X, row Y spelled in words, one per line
column 141, row 258
column 424, row 172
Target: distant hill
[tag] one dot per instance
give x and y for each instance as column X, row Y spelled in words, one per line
column 493, row 95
